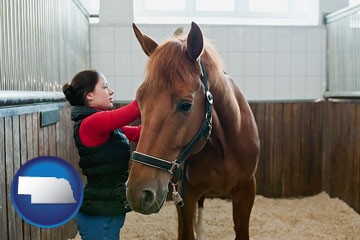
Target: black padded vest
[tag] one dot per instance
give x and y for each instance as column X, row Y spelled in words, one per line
column 106, row 169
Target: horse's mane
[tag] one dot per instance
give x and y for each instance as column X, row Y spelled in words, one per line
column 170, row 60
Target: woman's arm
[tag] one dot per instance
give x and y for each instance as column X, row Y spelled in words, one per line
column 132, row 132
column 96, row 128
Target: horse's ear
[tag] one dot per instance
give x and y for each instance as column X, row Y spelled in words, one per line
column 147, row 44
column 195, row 42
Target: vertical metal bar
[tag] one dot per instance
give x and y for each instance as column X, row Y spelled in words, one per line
column 344, row 53
column 14, row 43
column 24, row 52
column 11, row 45
column 33, row 37
column 19, row 56
column 46, row 30
column 33, row 45
column 1, row 45
column 40, row 46
column 7, row 43
column 42, row 43
column 356, row 51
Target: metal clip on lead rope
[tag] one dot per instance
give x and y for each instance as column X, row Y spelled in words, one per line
column 176, row 196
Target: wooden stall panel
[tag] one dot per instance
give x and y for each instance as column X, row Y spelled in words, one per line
column 16, row 165
column 291, row 136
column 295, row 148
column 342, row 157
column 22, row 139
column 317, row 147
column 24, row 148
column 11, row 221
column 356, row 168
column 32, row 153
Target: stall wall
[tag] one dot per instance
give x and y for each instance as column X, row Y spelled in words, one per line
column 268, row 63
column 21, row 139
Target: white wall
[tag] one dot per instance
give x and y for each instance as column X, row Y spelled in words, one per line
column 354, row 2
column 268, row 63
column 116, row 11
column 329, row 6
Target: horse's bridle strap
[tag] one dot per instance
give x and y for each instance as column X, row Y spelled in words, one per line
column 154, row 162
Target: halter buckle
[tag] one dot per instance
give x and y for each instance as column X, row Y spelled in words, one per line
column 174, row 166
column 209, row 97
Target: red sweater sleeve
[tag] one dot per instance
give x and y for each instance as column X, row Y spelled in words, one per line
column 132, row 132
column 96, row 128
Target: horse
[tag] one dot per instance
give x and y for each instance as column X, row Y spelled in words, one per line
column 198, row 134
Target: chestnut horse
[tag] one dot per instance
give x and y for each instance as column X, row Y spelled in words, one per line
column 185, row 89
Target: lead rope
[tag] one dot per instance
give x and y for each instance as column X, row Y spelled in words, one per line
column 176, row 196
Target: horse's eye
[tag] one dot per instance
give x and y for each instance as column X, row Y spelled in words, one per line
column 184, row 106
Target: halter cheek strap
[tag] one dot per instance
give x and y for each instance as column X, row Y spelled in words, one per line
column 204, row 131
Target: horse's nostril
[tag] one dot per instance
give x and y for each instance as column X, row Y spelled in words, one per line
column 149, row 198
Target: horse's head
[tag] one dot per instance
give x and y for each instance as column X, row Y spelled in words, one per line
column 171, row 99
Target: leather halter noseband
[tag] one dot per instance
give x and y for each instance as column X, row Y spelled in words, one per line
column 204, row 131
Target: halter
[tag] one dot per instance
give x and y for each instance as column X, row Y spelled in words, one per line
column 204, row 131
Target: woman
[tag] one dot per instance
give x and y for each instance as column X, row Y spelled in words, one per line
column 102, row 139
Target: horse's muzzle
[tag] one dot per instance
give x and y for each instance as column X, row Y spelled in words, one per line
column 146, row 201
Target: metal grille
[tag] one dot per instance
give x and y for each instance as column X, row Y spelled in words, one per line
column 343, row 59
column 43, row 43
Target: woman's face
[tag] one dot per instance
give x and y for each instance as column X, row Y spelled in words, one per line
column 102, row 96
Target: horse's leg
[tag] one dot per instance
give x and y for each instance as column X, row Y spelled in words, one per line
column 186, row 216
column 199, row 228
column 243, row 199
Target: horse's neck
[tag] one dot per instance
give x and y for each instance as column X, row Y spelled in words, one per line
column 228, row 101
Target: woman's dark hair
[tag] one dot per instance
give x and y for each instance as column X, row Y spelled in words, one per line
column 81, row 84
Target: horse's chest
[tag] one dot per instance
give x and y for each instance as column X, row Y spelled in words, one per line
column 207, row 171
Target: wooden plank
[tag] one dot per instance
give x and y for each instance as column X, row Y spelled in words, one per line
column 336, row 144
column 344, row 160
column 296, row 149
column 29, row 137
column 44, row 141
column 258, row 111
column 17, row 164
column 268, row 152
column 356, row 183
column 32, row 153
column 69, row 153
column 305, row 148
column 55, row 233
column 69, row 230
column 349, row 148
column 332, row 138
column 327, row 145
column 21, row 140
column 287, row 141
column 9, row 176
column 59, row 146
column 277, row 161
column 3, row 187
column 43, row 151
column 23, row 159
column 52, row 140
column 316, row 146
column 341, row 156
